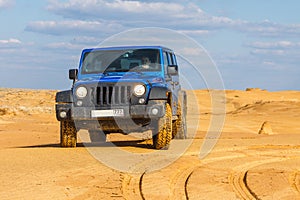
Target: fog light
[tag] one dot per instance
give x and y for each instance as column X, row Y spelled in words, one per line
column 63, row 114
column 141, row 101
column 79, row 103
column 154, row 111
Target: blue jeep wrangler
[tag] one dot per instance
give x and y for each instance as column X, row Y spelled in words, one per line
column 123, row 90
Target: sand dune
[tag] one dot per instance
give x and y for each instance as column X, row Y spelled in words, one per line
column 244, row 164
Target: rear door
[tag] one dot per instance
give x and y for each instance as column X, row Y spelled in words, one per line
column 172, row 77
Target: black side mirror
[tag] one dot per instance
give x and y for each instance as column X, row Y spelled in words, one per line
column 173, row 70
column 73, row 74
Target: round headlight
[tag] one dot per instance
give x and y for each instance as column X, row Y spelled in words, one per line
column 81, row 92
column 139, row 90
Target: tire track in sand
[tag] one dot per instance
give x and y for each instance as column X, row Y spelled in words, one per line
column 167, row 183
column 294, row 180
column 132, row 186
column 238, row 177
column 178, row 184
column 172, row 182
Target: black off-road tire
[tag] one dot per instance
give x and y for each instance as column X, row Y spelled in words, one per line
column 97, row 136
column 68, row 134
column 176, row 123
column 163, row 136
column 180, row 125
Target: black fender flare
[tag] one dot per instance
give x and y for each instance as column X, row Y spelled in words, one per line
column 159, row 93
column 64, row 97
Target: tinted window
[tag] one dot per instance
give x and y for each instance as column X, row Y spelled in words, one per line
column 121, row 61
column 166, row 62
column 174, row 59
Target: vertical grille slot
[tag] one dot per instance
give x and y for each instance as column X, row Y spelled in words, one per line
column 113, row 95
column 122, row 94
column 128, row 94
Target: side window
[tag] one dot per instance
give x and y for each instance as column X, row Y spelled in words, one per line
column 171, row 61
column 174, row 59
column 166, row 62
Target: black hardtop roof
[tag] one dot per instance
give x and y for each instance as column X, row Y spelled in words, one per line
column 126, row 47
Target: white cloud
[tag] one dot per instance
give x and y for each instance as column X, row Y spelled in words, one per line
column 280, row 51
column 116, row 9
column 94, row 17
column 64, row 46
column 271, row 29
column 179, row 15
column 274, row 52
column 10, row 41
column 195, row 32
column 73, row 27
column 283, row 44
column 281, row 55
column 142, row 7
column 6, row 4
column 86, row 40
column 136, row 13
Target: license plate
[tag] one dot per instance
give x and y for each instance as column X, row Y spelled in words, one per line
column 108, row 113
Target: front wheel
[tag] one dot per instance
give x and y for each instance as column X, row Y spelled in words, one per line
column 163, row 135
column 68, row 134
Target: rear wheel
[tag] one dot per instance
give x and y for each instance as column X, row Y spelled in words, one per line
column 68, row 134
column 163, row 135
column 97, row 136
column 179, row 125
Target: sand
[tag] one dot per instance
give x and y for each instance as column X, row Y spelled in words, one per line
column 256, row 156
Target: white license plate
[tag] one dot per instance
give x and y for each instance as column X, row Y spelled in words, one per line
column 108, row 113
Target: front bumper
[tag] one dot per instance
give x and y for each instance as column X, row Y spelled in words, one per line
column 154, row 109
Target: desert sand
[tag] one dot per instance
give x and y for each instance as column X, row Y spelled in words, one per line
column 257, row 155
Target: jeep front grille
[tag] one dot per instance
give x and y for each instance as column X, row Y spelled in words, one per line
column 113, row 95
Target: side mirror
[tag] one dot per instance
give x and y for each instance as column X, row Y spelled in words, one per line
column 173, row 70
column 73, row 74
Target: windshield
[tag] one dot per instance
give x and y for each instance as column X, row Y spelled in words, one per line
column 141, row 60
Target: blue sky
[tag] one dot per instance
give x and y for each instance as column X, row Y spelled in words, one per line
column 253, row 43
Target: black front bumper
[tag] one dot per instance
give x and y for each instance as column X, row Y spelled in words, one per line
column 67, row 111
